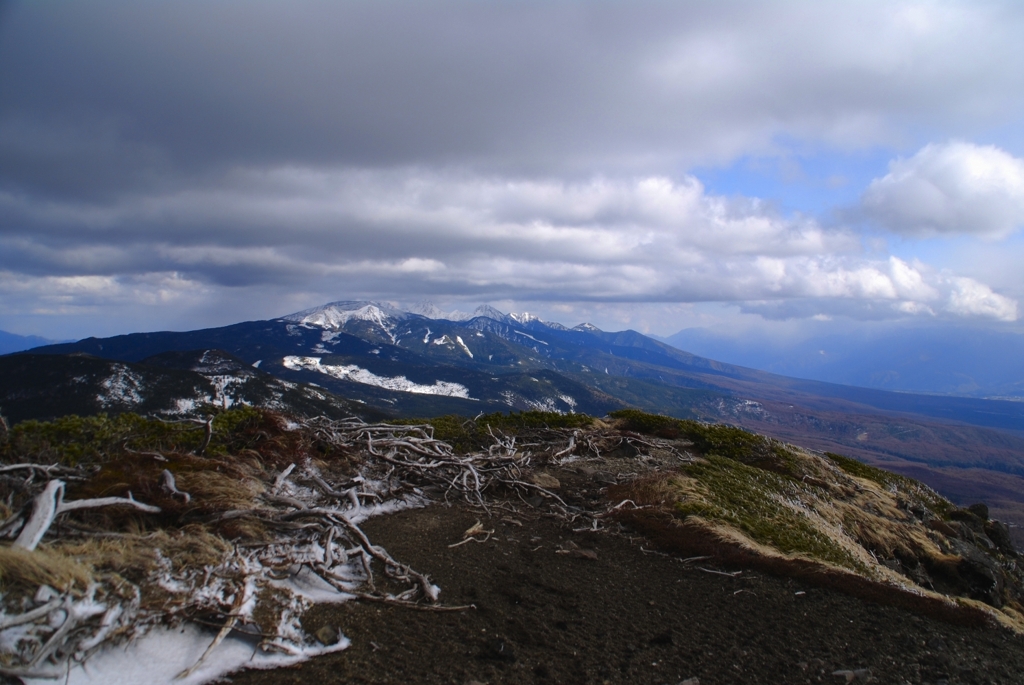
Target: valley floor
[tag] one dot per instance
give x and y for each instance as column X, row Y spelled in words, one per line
column 557, row 606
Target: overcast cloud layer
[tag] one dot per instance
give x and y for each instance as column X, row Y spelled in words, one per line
column 177, row 163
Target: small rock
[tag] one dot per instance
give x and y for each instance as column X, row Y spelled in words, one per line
column 980, row 510
column 943, row 527
column 545, row 480
column 498, row 650
column 327, row 636
column 999, row 533
column 690, row 681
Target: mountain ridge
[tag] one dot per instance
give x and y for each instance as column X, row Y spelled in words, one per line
column 398, row 362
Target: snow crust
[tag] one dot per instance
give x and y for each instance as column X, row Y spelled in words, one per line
column 351, row 372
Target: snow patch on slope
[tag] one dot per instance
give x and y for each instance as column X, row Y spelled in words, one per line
column 351, row 372
column 527, row 335
column 446, row 340
column 121, row 387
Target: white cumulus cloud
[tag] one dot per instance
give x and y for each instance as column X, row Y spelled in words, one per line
column 386, row 233
column 950, row 188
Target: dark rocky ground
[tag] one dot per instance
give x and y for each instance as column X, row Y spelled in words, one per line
column 557, row 606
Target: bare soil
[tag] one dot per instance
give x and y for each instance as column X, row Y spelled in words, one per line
column 556, row 606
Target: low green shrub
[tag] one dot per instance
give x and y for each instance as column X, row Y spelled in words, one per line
column 710, row 438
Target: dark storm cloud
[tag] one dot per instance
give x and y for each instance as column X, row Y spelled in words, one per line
column 178, row 152
column 127, row 92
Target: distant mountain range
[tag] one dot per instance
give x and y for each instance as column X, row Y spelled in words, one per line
column 971, row 362
column 11, row 342
column 372, row 358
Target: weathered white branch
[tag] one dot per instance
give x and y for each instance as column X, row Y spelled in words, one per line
column 30, row 616
column 106, row 502
column 44, row 510
column 49, row 504
column 282, row 477
column 169, row 484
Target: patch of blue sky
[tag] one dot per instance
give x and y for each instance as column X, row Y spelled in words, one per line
column 813, row 182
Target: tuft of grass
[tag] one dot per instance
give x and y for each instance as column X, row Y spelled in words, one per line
column 908, row 488
column 26, row 570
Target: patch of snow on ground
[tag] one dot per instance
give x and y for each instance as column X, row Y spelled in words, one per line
column 184, row 405
column 426, row 338
column 225, row 387
column 568, row 399
column 121, row 387
column 351, row 372
column 256, row 364
column 465, row 349
column 161, row 654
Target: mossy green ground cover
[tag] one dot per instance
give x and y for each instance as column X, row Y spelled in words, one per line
column 752, row 500
column 762, row 488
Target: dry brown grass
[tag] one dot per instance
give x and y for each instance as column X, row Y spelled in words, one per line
column 214, row 491
column 25, row 570
column 191, row 547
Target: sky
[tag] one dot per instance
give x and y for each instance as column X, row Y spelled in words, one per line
column 774, row 167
